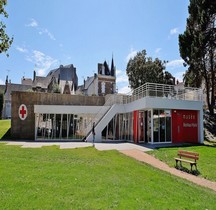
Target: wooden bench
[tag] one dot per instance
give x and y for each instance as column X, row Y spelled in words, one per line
column 192, row 157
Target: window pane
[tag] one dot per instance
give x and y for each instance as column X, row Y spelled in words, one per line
column 162, row 125
column 155, row 125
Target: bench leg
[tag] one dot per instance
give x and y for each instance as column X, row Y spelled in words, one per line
column 191, row 166
column 196, row 167
column 176, row 163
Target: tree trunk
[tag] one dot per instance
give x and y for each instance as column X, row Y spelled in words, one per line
column 211, row 108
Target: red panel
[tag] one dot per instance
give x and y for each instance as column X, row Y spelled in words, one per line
column 135, row 126
column 184, row 126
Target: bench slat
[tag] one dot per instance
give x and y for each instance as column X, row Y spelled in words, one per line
column 187, row 152
column 191, row 155
column 187, row 161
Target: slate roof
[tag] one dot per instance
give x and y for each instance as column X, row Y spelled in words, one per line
column 42, row 82
column 15, row 87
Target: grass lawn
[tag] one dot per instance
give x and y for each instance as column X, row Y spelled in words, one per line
column 84, row 178
column 4, row 127
column 206, row 163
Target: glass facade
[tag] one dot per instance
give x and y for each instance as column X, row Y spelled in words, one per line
column 161, row 125
column 138, row 126
column 61, row 126
column 121, row 127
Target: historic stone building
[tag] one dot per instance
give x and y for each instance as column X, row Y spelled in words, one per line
column 102, row 83
column 63, row 80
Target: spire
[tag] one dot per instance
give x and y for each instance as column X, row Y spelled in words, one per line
column 112, row 68
column 107, row 71
column 6, row 84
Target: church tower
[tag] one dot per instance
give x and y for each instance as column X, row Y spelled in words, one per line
column 106, row 78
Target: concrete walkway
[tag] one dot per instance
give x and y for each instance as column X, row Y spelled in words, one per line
column 132, row 150
column 72, row 145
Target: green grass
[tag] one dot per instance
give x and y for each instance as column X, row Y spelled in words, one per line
column 4, row 127
column 206, row 164
column 84, row 178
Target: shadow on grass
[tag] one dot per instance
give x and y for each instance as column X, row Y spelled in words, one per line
column 172, row 145
column 184, row 169
column 7, row 135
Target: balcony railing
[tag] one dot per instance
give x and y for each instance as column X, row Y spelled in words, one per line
column 158, row 91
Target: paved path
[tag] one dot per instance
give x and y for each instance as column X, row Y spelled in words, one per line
column 132, row 150
column 143, row 157
column 71, row 145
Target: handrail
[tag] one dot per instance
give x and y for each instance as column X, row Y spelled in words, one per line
column 148, row 90
column 99, row 115
column 164, row 91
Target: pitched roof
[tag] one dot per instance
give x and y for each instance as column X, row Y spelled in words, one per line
column 15, row 87
column 42, row 82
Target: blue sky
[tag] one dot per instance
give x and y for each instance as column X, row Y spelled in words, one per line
column 86, row 32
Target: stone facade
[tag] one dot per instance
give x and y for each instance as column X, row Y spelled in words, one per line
column 102, row 83
column 25, row 129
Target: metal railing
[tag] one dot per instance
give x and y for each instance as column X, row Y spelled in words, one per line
column 109, row 102
column 164, row 91
column 149, row 90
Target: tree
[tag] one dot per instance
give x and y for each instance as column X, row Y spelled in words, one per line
column 142, row 69
column 56, row 88
column 197, row 46
column 5, row 40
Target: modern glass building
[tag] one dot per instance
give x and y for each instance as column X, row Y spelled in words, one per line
column 153, row 113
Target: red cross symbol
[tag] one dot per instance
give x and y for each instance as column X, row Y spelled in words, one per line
column 22, row 112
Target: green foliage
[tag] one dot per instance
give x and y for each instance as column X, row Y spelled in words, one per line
column 56, row 88
column 1, row 103
column 197, row 46
column 206, row 163
column 142, row 69
column 84, row 178
column 5, row 40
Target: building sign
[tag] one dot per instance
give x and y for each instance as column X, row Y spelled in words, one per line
column 23, row 112
column 184, row 126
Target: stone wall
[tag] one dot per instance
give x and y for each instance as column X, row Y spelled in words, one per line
column 25, row 129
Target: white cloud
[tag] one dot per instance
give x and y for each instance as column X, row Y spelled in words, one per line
column 121, row 76
column 124, row 90
column 174, row 31
column 122, row 82
column 41, row 72
column 179, row 75
column 21, row 49
column 158, row 50
column 2, row 82
column 175, row 63
column 43, row 62
column 33, row 23
column 131, row 54
column 47, row 32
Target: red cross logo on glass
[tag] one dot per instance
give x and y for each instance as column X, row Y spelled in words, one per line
column 23, row 112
